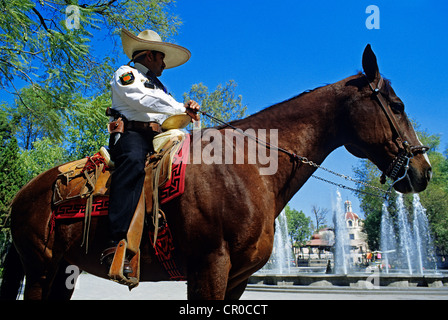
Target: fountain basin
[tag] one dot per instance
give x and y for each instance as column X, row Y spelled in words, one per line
column 361, row 280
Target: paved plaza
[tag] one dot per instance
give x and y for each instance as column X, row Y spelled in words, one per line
column 93, row 288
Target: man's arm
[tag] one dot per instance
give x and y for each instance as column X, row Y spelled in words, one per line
column 141, row 98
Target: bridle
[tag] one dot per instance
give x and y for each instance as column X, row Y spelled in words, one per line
column 405, row 151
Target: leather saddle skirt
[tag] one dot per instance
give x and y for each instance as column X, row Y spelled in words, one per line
column 90, row 177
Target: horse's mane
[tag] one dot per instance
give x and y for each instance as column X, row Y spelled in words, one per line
column 276, row 105
column 359, row 76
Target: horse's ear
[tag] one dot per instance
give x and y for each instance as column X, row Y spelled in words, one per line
column 369, row 63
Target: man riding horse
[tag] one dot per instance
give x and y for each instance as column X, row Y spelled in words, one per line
column 221, row 238
column 140, row 104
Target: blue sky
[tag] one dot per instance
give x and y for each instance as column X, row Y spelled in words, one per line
column 275, row 50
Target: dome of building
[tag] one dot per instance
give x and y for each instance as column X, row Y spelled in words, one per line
column 349, row 214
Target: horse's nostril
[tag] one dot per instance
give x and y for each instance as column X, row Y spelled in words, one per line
column 429, row 174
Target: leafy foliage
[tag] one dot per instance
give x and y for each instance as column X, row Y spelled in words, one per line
column 434, row 198
column 12, row 176
column 299, row 226
column 41, row 47
column 221, row 103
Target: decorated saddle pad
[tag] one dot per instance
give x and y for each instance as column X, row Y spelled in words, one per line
column 90, row 177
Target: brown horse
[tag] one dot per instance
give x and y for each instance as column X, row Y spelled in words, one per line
column 223, row 225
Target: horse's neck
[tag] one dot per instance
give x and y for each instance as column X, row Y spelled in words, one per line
column 308, row 126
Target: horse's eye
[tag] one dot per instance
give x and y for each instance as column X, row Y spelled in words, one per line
column 397, row 107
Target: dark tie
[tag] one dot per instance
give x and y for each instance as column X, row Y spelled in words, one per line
column 155, row 81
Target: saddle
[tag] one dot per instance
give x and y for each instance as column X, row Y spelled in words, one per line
column 83, row 186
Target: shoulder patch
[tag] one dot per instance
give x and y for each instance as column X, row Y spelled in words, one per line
column 127, row 78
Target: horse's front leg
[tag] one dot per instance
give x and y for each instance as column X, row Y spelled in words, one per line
column 208, row 274
column 39, row 279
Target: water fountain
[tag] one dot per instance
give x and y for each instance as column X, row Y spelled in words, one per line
column 412, row 251
column 388, row 240
column 408, row 257
column 342, row 243
column 404, row 235
column 280, row 261
column 427, row 255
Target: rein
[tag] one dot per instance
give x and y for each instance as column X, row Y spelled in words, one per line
column 296, row 159
column 401, row 161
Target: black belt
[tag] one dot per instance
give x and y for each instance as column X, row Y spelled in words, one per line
column 143, row 126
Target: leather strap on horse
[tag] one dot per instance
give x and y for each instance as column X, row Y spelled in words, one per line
column 405, row 150
column 388, row 112
column 131, row 248
column 170, row 151
column 97, row 165
column 295, row 158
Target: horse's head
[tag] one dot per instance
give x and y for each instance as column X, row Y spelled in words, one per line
column 381, row 130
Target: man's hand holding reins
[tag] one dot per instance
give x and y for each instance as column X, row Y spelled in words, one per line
column 192, row 110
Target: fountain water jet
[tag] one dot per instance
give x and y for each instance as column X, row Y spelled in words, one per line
column 422, row 235
column 280, row 261
column 414, row 250
column 405, row 236
column 342, row 241
column 275, row 274
column 388, row 240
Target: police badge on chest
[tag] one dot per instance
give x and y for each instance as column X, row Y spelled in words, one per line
column 149, row 84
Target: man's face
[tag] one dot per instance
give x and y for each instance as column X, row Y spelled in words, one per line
column 155, row 62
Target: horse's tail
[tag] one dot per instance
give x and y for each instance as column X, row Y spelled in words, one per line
column 12, row 275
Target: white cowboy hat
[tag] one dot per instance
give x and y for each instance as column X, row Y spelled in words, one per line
column 175, row 55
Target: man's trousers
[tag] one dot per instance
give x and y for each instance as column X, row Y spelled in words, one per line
column 129, row 155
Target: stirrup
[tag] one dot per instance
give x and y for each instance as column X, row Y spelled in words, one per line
column 107, row 257
column 116, row 271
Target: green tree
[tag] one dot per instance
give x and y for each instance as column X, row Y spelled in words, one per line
column 49, row 43
column 50, row 46
column 435, row 200
column 87, row 131
column 299, row 226
column 35, row 118
column 221, row 103
column 12, row 177
column 44, row 155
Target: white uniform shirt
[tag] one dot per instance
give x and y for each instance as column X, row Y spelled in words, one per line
column 138, row 102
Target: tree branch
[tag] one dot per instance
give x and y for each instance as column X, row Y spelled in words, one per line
column 42, row 20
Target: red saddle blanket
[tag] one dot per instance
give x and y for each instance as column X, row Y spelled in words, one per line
column 173, row 188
